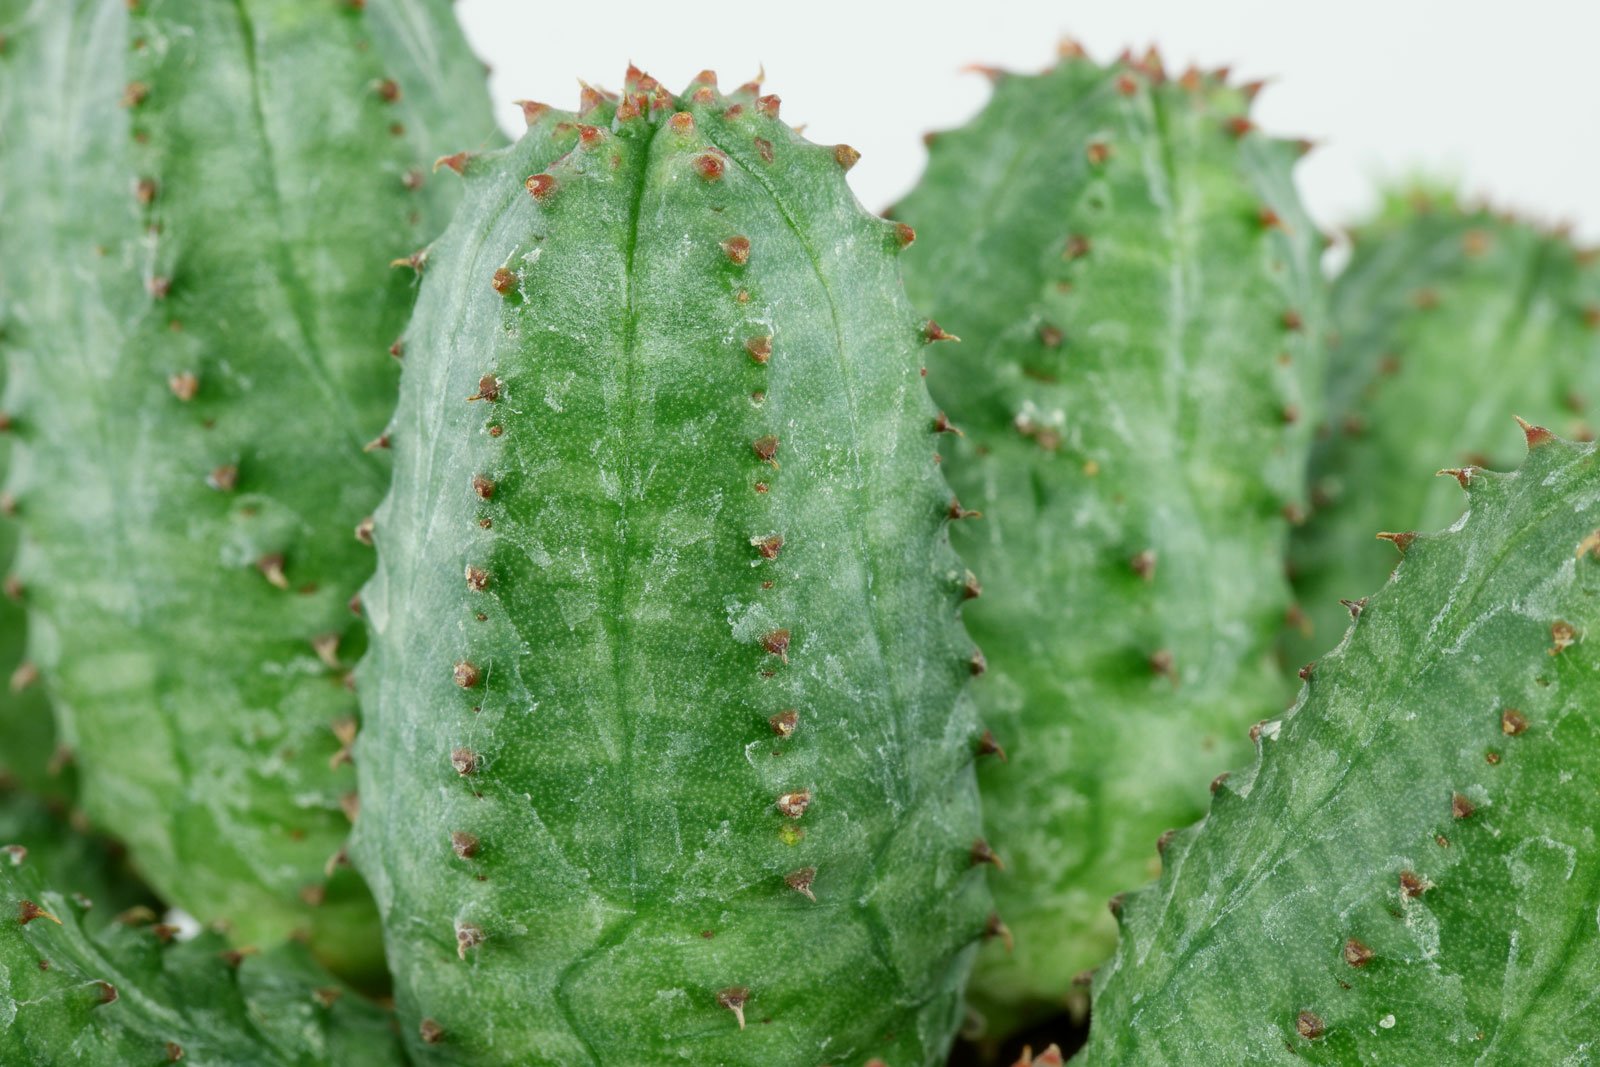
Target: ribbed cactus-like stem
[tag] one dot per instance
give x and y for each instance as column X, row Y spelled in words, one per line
column 1448, row 317
column 666, row 755
column 201, row 200
column 1136, row 285
column 1409, row 872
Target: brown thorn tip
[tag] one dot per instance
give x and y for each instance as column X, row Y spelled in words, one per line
column 709, row 166
column 456, row 161
column 978, row 664
column 800, row 881
column 932, row 331
column 1460, row 474
column 1536, row 435
column 988, row 746
column 540, row 186
column 1356, row 953
column 532, row 110
column 734, row 999
column 1144, row 564
column 776, row 643
column 846, row 156
column 994, row 74
column 995, row 927
column 970, row 587
column 223, row 479
column 1402, row 541
column 27, row 911
column 794, row 805
column 24, row 677
column 488, row 389
column 982, row 853
column 1355, row 607
column 271, row 568
column 1307, row 671
column 904, row 235
column 467, row 936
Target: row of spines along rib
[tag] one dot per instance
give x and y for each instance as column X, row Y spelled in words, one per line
column 1406, row 858
column 552, row 385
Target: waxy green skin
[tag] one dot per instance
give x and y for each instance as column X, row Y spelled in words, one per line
column 27, row 730
column 81, row 983
column 1136, row 387
column 579, row 641
column 1449, row 745
column 67, row 858
column 1448, row 317
column 215, row 190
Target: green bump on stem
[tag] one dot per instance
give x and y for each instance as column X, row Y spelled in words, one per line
column 1136, row 286
column 666, row 756
column 1409, row 872
column 201, row 201
column 89, row 975
column 1448, row 316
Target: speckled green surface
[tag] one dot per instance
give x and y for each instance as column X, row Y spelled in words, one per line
column 1136, row 286
column 1449, row 316
column 82, row 984
column 201, row 201
column 1409, row 873
column 666, row 755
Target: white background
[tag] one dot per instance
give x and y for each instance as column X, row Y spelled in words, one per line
column 1502, row 96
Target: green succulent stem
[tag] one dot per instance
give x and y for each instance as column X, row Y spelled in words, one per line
column 1408, row 873
column 666, row 755
column 1448, row 316
column 90, row 975
column 201, row 200
column 1137, row 288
